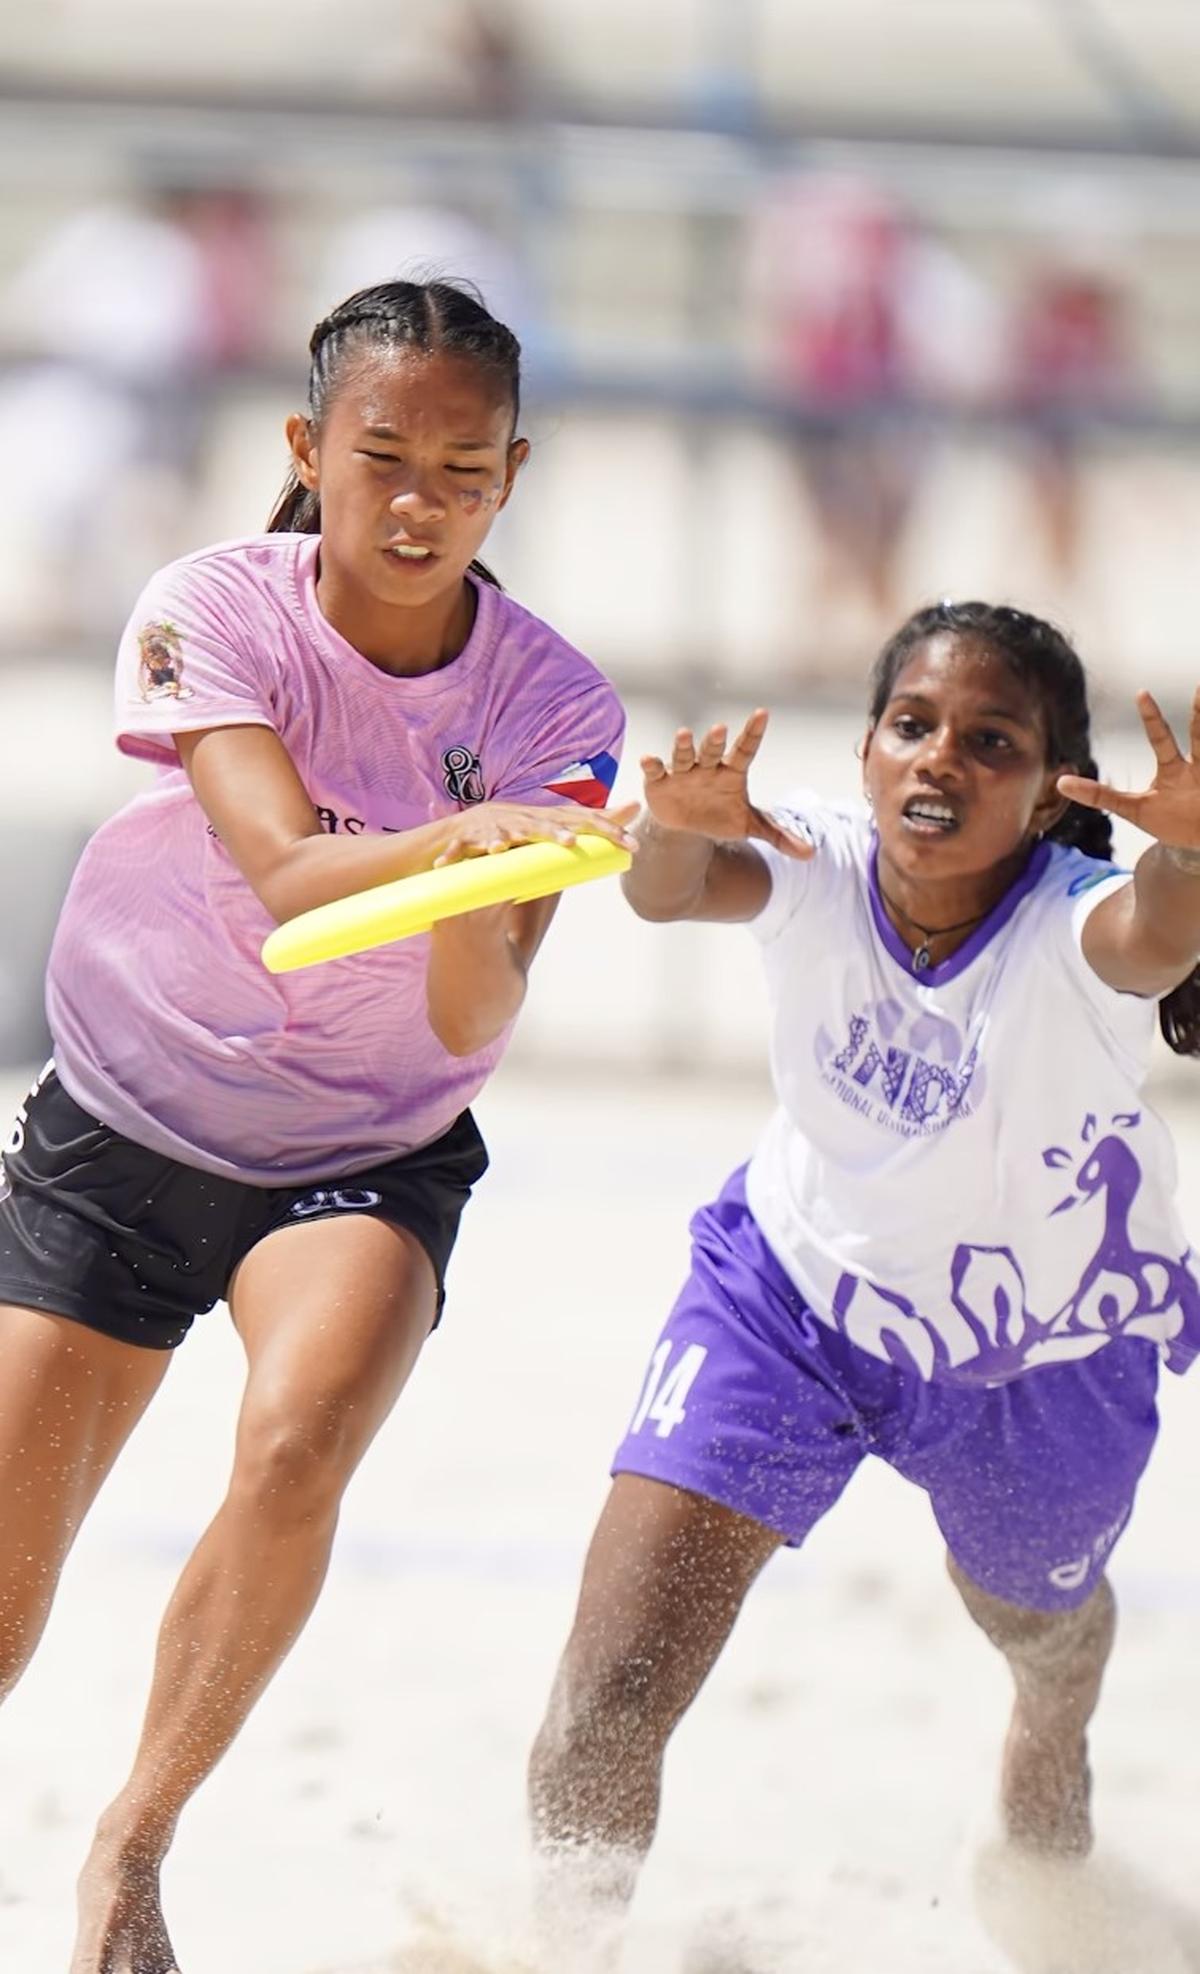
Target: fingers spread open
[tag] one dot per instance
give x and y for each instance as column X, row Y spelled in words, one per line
column 1100, row 795
column 712, row 747
column 1158, row 733
column 683, row 754
column 749, row 740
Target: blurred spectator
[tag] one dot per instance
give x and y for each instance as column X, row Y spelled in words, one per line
column 1072, row 348
column 432, row 238
column 125, row 307
column 495, row 58
column 865, row 313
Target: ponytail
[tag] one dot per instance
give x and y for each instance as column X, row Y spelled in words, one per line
column 297, row 511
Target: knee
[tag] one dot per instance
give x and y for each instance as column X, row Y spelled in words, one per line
column 1041, row 1640
column 294, row 1467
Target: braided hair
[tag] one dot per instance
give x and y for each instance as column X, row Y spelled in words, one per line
column 429, row 316
column 1047, row 664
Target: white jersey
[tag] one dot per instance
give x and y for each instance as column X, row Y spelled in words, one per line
column 962, row 1174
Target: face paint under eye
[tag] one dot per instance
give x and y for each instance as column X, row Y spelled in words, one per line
column 477, row 500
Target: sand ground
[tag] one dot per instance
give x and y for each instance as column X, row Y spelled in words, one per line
column 829, row 1794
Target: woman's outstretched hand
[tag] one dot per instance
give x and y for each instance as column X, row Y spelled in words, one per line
column 1170, row 808
column 703, row 789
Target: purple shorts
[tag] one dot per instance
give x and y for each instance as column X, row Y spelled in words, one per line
column 753, row 1403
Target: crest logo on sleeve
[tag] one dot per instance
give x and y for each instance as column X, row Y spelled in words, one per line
column 462, row 776
column 589, row 782
column 160, row 662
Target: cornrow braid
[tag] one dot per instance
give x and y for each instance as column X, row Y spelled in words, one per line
column 1047, row 664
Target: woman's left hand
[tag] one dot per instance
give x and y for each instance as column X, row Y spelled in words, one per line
column 1170, row 808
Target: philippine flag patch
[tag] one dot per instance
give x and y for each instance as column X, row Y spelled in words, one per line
column 589, row 782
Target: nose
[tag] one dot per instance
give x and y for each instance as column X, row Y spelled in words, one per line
column 941, row 755
column 418, row 500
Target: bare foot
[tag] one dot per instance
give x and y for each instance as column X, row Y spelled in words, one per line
column 121, row 1926
column 1045, row 1789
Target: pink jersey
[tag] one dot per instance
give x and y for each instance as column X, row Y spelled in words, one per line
column 166, row 1024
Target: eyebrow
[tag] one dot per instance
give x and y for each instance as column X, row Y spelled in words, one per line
column 981, row 712
column 453, row 445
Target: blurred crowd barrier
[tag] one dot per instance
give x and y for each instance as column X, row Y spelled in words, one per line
column 805, row 347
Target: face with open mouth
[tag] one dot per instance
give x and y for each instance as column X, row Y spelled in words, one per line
column 956, row 772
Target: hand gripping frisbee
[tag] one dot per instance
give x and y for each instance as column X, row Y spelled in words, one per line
column 412, row 904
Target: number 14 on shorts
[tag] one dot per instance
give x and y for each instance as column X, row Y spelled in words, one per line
column 663, row 1403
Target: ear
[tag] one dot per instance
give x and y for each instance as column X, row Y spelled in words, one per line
column 863, row 750
column 518, row 453
column 302, row 443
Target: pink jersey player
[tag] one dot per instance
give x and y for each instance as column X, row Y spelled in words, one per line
column 344, row 700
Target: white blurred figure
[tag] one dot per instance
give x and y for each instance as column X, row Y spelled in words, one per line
column 119, row 310
column 430, row 240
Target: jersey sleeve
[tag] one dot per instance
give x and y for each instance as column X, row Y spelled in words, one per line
column 800, row 882
column 1083, row 884
column 571, row 753
column 187, row 661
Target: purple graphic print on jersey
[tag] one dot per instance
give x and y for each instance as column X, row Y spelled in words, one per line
column 910, row 1074
column 1123, row 1290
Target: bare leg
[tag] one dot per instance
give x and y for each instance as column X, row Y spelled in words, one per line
column 69, row 1399
column 333, row 1315
column 1057, row 1660
column 664, row 1581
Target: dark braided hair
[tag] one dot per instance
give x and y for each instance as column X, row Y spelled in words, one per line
column 1047, row 664
column 429, row 316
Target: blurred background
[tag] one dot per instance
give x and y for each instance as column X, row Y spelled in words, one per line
column 829, row 307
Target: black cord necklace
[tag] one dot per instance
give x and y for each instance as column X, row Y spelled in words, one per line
column 923, row 958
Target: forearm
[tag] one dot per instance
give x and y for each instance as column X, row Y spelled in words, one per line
column 1166, row 905
column 476, row 979
column 314, row 870
column 670, row 868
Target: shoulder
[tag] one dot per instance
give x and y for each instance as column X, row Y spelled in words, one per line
column 840, row 830
column 1071, row 883
column 252, row 568
column 531, row 644
column 841, row 833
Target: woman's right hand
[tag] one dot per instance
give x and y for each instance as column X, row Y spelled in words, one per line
column 489, row 827
column 704, row 789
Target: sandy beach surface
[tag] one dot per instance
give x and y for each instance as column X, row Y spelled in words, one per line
column 829, row 1801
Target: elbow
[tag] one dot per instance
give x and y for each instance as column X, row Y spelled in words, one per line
column 465, row 1030
column 653, row 910
column 461, row 1039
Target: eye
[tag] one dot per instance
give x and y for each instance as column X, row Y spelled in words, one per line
column 907, row 726
column 387, row 458
column 470, row 472
column 994, row 743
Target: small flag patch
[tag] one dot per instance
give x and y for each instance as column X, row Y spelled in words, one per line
column 589, row 782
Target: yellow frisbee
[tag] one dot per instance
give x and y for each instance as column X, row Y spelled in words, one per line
column 412, row 904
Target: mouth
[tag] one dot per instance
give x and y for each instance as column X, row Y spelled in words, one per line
column 931, row 815
column 411, row 554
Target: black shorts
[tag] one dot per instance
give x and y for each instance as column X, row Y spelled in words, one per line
column 97, row 1228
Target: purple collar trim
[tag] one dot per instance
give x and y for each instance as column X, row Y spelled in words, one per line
column 984, row 933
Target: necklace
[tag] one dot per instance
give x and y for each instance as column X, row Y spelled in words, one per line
column 923, row 958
